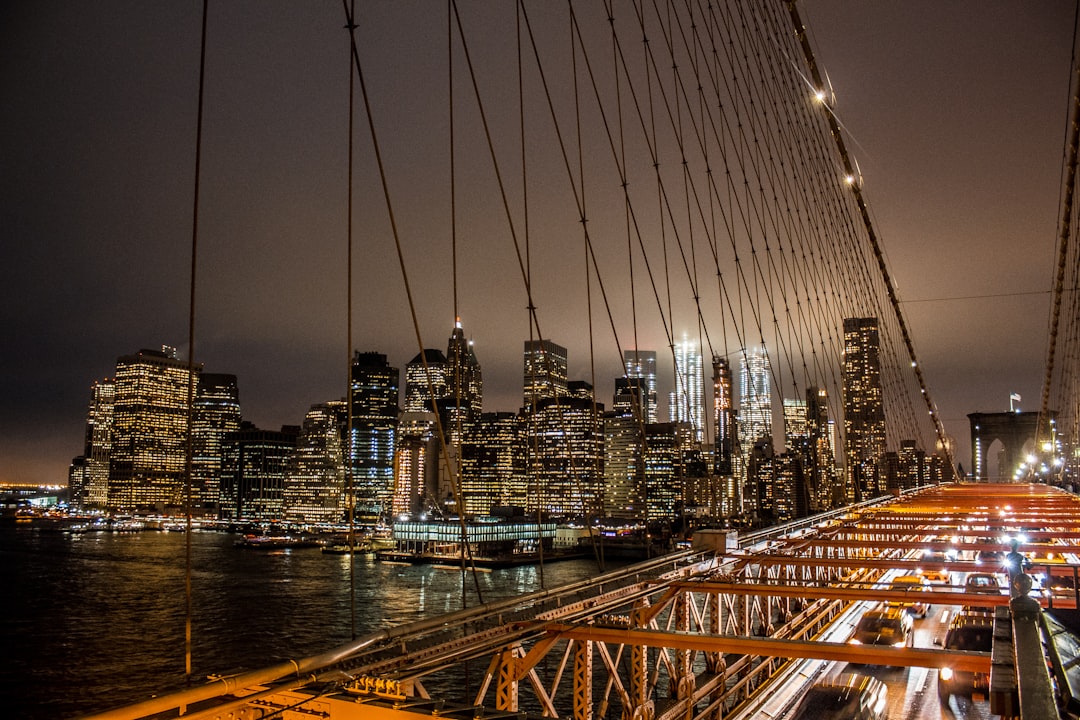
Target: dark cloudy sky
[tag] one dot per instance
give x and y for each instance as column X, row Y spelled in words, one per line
column 956, row 113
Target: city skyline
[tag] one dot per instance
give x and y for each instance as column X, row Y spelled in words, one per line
column 121, row 214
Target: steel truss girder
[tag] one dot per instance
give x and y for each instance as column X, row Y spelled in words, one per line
column 778, row 647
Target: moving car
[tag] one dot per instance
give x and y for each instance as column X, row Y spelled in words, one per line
column 911, row 584
column 982, row 583
column 971, row 632
column 992, row 560
column 848, row 697
column 891, row 626
column 932, row 565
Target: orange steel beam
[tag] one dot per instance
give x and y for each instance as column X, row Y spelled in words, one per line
column 805, row 543
column 910, row 565
column 851, row 594
column 774, row 647
column 855, row 593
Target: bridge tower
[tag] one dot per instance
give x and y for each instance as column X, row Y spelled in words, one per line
column 1014, row 429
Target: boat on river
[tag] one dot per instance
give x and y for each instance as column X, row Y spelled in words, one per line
column 275, row 542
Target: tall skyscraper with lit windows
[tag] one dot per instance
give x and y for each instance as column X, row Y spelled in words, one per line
column 315, row 487
column 493, row 463
column 254, row 468
column 98, row 446
column 425, row 381
column 374, row 431
column 755, row 399
column 148, row 459
column 566, row 439
column 686, row 404
column 464, row 379
column 216, row 414
column 642, row 364
column 723, row 418
column 545, row 371
column 864, row 409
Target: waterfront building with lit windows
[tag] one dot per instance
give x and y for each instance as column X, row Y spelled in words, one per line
column 254, row 466
column 94, row 492
column 686, row 404
column 315, row 485
column 545, row 371
column 148, row 459
column 374, row 397
column 493, row 463
column 566, row 467
column 415, row 462
column 864, row 410
column 624, row 432
column 642, row 364
column 662, row 488
column 216, row 413
column 755, row 400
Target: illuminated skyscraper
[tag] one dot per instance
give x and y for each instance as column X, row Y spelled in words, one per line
column 796, row 429
column 566, row 472
column 374, row 431
column 642, row 364
column 623, row 466
column 425, row 381
column 723, row 418
column 254, row 467
column 662, row 488
column 465, row 383
column 864, row 411
column 315, row 484
column 415, row 463
column 148, row 462
column 493, row 463
column 545, row 371
column 755, row 400
column 820, row 463
column 686, row 404
column 216, row 413
column 98, row 446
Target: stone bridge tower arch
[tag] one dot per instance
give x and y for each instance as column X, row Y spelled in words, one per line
column 1015, row 430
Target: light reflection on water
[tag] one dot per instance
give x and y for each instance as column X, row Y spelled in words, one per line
column 92, row 621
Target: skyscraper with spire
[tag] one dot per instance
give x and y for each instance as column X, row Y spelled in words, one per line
column 464, row 380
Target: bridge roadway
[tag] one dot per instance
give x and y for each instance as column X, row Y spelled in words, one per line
column 737, row 627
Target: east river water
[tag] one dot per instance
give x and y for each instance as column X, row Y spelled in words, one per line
column 91, row 621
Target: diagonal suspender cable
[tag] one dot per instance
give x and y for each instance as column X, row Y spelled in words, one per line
column 800, row 32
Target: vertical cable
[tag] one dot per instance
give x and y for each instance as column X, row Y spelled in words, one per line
column 350, row 441
column 191, row 352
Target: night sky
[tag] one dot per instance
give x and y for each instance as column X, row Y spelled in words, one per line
column 956, row 112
